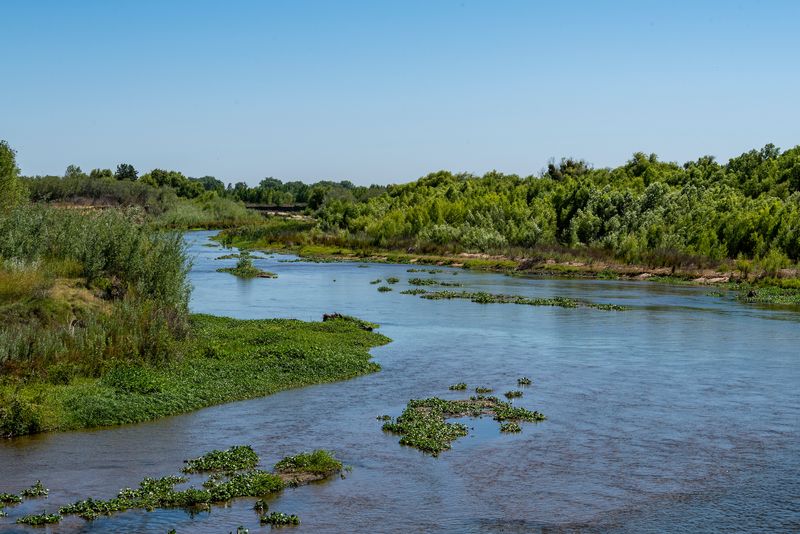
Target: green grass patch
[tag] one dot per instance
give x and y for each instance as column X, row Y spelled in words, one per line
column 458, row 387
column 384, row 289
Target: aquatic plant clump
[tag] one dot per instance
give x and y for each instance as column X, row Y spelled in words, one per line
column 481, row 297
column 423, row 423
column 416, row 291
column 307, row 466
column 233, row 459
column 38, row 520
column 37, row 490
column 279, row 519
column 9, row 498
column 482, row 389
column 524, row 381
column 384, row 289
column 376, row 281
column 432, row 282
column 514, row 394
column 392, row 280
column 458, row 387
column 245, row 269
column 429, row 271
column 510, row 427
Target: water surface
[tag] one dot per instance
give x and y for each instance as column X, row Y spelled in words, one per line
column 682, row 414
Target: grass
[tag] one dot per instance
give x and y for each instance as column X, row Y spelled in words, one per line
column 392, row 280
column 233, row 459
column 223, row 360
column 514, row 394
column 458, row 387
column 481, row 297
column 482, row 389
column 423, row 424
column 524, row 381
column 384, row 289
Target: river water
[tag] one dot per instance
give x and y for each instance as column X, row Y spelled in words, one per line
column 681, row 414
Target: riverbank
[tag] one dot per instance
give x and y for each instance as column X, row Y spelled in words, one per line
column 782, row 288
column 224, row 360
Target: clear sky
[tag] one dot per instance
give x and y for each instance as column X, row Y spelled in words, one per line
column 386, row 91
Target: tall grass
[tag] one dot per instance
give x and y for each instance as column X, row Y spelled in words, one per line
column 80, row 291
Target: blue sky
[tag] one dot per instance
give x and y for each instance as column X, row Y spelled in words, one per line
column 382, row 91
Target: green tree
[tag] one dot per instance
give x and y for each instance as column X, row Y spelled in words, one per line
column 125, row 171
column 12, row 191
column 98, row 174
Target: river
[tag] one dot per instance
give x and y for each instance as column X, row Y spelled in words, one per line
column 680, row 414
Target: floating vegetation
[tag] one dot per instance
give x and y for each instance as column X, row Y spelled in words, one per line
column 429, row 271
column 481, row 297
column 279, row 519
column 514, row 394
column 245, row 269
column 714, row 294
column 261, row 506
column 363, row 266
column 227, row 257
column 37, row 490
column 415, row 291
column 392, row 280
column 431, row 282
column 423, row 423
column 9, row 498
column 307, row 467
column 38, row 520
column 770, row 295
column 155, row 493
column 524, row 381
column 376, row 281
column 384, row 289
column 458, row 387
column 510, row 427
column 384, row 418
column 234, row 459
column 481, row 389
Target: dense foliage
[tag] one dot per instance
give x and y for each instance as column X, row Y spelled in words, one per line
column 80, row 290
column 643, row 211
